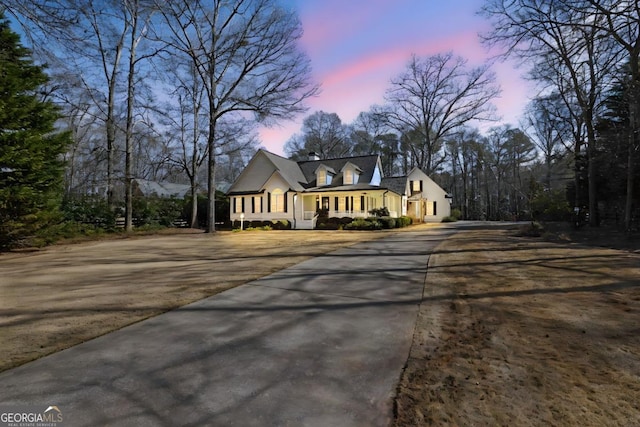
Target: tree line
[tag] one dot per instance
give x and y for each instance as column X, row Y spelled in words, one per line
column 164, row 90
column 575, row 149
column 175, row 92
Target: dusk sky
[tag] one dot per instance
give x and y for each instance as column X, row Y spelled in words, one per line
column 357, row 46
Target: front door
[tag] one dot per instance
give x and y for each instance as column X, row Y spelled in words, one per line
column 325, row 203
column 414, row 210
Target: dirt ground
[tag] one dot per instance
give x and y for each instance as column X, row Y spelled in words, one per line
column 519, row 331
column 512, row 330
column 63, row 295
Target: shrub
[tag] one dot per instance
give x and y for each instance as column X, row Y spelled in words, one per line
column 332, row 223
column 64, row 230
column 281, row 225
column 387, row 222
column 157, row 211
column 449, row 218
column 364, row 224
column 456, row 214
column 380, row 212
column 328, row 226
column 403, row 221
column 346, row 220
column 90, row 210
column 550, row 206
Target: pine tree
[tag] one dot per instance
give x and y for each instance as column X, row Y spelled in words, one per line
column 31, row 167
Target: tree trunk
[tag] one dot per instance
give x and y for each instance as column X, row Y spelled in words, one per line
column 211, row 192
column 211, row 178
column 110, row 125
column 591, row 174
column 128, row 161
column 633, row 123
column 194, row 203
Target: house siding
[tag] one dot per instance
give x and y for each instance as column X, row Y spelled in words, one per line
column 430, row 203
column 274, row 188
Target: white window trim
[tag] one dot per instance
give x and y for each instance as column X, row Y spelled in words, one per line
column 322, row 177
column 277, row 201
column 349, row 177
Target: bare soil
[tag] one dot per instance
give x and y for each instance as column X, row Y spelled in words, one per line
column 63, row 295
column 520, row 331
column 512, row 330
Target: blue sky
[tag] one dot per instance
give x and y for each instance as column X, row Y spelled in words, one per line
column 357, row 46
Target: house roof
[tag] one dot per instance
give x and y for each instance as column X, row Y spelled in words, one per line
column 162, row 188
column 354, row 187
column 289, row 170
column 301, row 175
column 397, row 184
column 366, row 164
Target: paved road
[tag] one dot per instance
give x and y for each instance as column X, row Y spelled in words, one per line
column 322, row 343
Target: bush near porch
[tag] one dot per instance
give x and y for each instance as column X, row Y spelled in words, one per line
column 264, row 225
column 370, row 223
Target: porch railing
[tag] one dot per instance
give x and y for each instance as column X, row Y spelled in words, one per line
column 351, row 214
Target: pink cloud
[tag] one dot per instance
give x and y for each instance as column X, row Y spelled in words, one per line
column 331, row 22
column 357, row 49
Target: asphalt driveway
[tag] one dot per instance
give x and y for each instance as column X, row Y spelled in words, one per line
column 322, row 343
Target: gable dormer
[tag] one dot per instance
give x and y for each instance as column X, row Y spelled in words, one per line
column 350, row 174
column 324, row 175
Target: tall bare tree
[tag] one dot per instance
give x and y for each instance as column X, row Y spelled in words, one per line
column 88, row 41
column 185, row 126
column 572, row 58
column 436, row 95
column 136, row 18
column 246, row 55
column 548, row 129
column 323, row 134
column 461, row 152
column 622, row 24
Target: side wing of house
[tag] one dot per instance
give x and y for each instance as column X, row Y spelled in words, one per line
column 427, row 201
column 265, row 190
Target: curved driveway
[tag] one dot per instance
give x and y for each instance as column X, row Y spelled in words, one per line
column 322, row 343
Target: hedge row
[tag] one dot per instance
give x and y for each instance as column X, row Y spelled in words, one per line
column 265, row 225
column 370, row 223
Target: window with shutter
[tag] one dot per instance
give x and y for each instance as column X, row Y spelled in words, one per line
column 277, row 201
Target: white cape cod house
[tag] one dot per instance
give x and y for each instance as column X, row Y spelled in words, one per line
column 272, row 187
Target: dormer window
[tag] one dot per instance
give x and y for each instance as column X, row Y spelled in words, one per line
column 350, row 174
column 348, row 177
column 324, row 175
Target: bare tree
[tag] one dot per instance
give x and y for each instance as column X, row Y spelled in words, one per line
column 323, row 134
column 622, row 24
column 246, row 55
column 436, row 95
column 367, row 131
column 548, row 129
column 87, row 41
column 461, row 149
column 569, row 54
column 185, row 125
column 136, row 17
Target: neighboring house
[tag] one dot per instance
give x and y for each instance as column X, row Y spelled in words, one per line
column 274, row 188
column 162, row 189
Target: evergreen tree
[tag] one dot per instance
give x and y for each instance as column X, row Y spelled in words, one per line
column 31, row 167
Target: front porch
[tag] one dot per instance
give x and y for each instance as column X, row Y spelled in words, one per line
column 308, row 215
column 349, row 204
